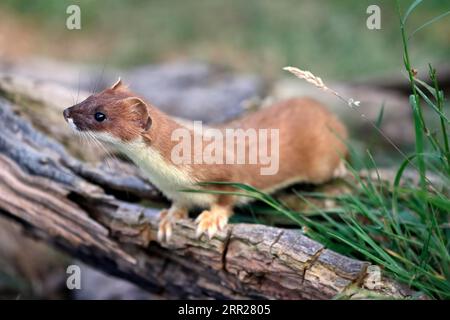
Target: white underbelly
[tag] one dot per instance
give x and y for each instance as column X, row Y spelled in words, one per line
column 178, row 192
column 171, row 180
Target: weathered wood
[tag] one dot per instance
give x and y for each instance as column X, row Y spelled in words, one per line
column 78, row 208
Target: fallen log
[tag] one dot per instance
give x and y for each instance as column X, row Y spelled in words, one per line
column 96, row 214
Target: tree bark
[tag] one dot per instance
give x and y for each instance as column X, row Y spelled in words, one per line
column 96, row 214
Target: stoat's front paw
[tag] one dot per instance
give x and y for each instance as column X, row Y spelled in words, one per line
column 211, row 221
column 165, row 226
column 167, row 219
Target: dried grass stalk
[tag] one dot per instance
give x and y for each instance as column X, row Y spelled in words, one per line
column 317, row 82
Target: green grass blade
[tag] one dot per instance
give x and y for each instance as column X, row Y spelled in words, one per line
column 410, row 10
column 426, row 24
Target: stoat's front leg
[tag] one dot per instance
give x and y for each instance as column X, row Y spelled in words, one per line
column 167, row 218
column 212, row 220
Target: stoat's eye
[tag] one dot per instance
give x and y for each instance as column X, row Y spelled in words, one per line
column 100, row 116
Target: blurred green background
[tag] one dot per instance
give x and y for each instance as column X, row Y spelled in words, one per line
column 327, row 36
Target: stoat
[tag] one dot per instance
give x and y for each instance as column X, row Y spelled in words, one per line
column 310, row 146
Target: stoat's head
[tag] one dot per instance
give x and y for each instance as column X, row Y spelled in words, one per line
column 114, row 115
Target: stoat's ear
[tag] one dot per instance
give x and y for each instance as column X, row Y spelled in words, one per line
column 138, row 106
column 117, row 85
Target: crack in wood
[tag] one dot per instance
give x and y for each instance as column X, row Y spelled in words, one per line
column 311, row 262
column 225, row 249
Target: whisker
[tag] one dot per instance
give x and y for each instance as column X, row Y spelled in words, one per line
column 102, row 146
column 98, row 82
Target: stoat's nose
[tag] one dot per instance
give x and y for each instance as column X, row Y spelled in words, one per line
column 66, row 113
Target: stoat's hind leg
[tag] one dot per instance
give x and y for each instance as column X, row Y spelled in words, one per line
column 340, row 171
column 212, row 220
column 167, row 218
